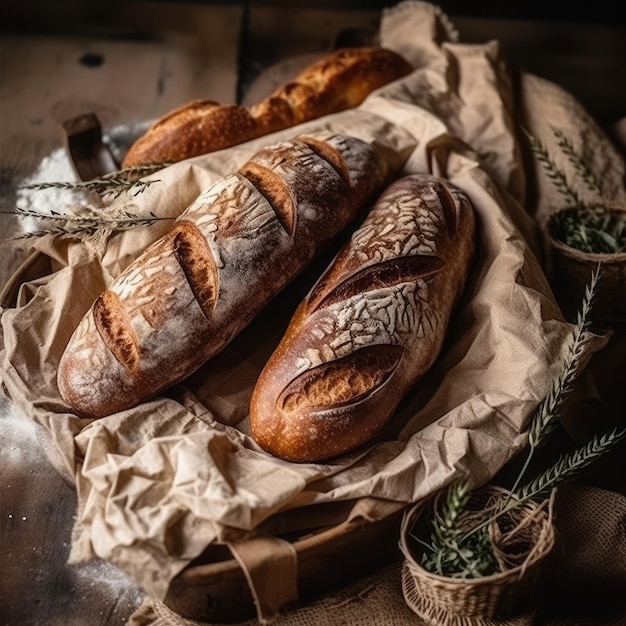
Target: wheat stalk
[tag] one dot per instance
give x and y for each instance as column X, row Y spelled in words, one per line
column 588, row 177
column 553, row 172
column 546, row 417
column 568, row 467
column 112, row 184
column 77, row 224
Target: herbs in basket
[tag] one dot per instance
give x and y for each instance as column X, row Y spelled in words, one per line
column 582, row 234
column 597, row 228
column 474, row 556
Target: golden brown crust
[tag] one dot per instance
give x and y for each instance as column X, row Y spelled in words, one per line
column 370, row 328
column 116, row 332
column 197, row 263
column 226, row 257
column 341, row 80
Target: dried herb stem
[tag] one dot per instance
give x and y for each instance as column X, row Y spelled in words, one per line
column 82, row 224
column 112, row 184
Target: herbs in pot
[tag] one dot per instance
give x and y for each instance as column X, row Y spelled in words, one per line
column 590, row 229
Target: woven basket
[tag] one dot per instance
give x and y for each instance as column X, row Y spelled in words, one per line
column 487, row 601
column 571, row 271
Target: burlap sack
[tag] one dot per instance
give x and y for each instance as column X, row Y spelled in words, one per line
column 158, row 483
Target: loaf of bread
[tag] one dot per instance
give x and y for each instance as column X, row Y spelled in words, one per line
column 370, row 328
column 225, row 258
column 336, row 82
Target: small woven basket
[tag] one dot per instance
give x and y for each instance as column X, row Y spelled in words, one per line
column 571, row 271
column 491, row 600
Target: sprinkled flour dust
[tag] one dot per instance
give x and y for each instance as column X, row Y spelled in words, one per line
column 34, row 508
column 18, row 436
column 55, row 167
column 108, row 580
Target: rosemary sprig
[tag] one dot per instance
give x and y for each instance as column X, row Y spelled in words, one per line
column 552, row 170
column 85, row 225
column 587, row 176
column 448, row 554
column 112, row 184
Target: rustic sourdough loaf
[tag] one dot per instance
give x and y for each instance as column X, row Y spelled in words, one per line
column 225, row 258
column 370, row 328
column 338, row 81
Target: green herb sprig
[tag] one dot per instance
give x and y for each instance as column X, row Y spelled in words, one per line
column 448, row 553
column 591, row 181
column 553, row 172
column 460, row 544
column 590, row 229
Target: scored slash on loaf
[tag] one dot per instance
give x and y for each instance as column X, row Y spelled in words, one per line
column 340, row 80
column 227, row 255
column 370, row 328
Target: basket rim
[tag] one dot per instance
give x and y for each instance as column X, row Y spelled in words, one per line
column 605, row 258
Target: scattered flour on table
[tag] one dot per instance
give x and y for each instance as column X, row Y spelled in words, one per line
column 18, row 436
column 22, row 456
column 56, row 167
column 109, row 580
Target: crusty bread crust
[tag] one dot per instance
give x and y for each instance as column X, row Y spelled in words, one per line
column 338, row 81
column 226, row 257
column 371, row 327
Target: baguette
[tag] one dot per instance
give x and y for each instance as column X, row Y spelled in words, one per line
column 336, row 82
column 226, row 257
column 372, row 325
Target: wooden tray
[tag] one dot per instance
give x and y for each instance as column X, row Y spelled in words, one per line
column 213, row 588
